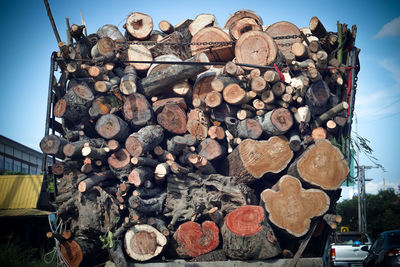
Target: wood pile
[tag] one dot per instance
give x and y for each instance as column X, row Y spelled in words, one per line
column 197, row 141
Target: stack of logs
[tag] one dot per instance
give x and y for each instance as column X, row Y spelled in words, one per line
column 233, row 160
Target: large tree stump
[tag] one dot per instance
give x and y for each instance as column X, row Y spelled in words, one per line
column 192, row 196
column 322, row 164
column 146, row 139
column 251, row 159
column 247, row 234
column 194, row 239
column 291, row 208
column 143, row 242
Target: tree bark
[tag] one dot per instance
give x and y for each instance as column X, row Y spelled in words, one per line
column 53, row 145
column 277, row 121
column 197, row 123
column 247, row 235
column 110, row 126
column 93, row 180
column 128, row 81
column 157, row 82
column 250, row 160
column 145, row 140
column 224, row 192
column 291, row 208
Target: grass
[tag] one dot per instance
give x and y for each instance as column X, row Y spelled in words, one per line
column 13, row 254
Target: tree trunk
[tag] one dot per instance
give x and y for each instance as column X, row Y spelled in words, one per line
column 200, row 22
column 277, row 121
column 197, row 123
column 139, row 25
column 157, row 82
column 222, row 190
column 194, row 239
column 284, row 28
column 256, row 47
column 137, row 110
column 173, row 119
column 250, row 160
column 128, row 81
column 291, row 208
column 166, row 27
column 317, row 97
column 180, row 51
column 322, row 165
column 139, row 175
column 53, row 145
column 110, row 126
column 139, row 53
column 120, row 163
column 215, row 53
column 247, row 235
column 241, row 26
column 211, row 149
column 145, row 140
column 144, row 242
column 93, row 180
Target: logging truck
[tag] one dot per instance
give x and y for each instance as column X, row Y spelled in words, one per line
column 200, row 142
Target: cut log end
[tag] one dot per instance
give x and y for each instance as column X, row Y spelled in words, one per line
column 245, row 220
column 144, row 242
column 195, row 239
column 323, row 164
column 291, row 207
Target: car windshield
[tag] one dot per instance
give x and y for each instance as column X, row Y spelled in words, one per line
column 351, row 238
column 394, row 238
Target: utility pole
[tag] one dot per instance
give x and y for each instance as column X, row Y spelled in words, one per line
column 362, row 207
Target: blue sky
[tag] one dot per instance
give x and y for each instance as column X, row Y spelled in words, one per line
column 28, row 40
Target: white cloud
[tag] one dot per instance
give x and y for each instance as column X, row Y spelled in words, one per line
column 384, row 100
column 389, row 29
column 391, row 66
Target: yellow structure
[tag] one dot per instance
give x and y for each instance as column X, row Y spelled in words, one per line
column 19, row 195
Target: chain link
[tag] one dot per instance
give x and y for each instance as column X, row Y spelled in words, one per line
column 211, row 44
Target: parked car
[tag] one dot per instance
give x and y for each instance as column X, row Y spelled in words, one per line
column 345, row 249
column 385, row 251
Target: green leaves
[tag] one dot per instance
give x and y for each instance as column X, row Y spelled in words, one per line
column 107, row 240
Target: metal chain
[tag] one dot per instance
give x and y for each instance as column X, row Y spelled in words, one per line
column 212, row 44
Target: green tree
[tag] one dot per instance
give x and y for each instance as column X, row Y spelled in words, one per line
column 383, row 212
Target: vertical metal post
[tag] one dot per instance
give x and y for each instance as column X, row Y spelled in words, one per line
column 359, row 199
